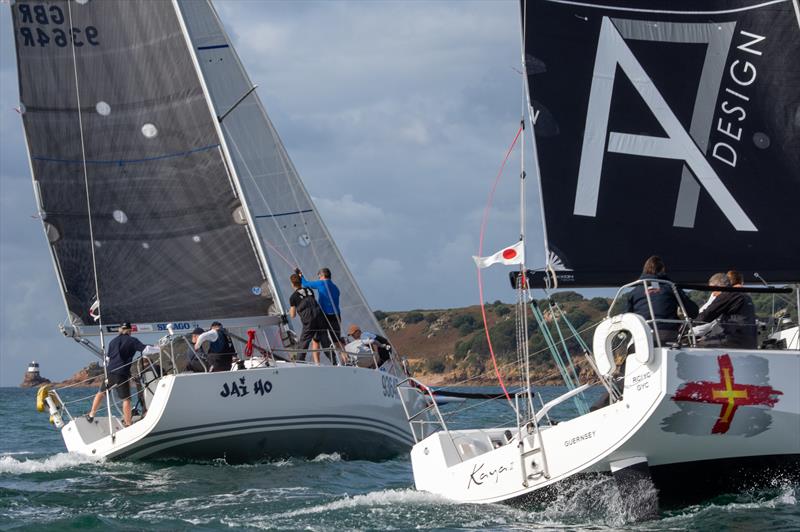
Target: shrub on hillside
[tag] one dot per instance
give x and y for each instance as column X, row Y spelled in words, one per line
column 578, row 318
column 599, row 303
column 380, row 315
column 413, row 317
column 465, row 323
column 504, row 337
column 502, row 310
column 435, row 365
column 431, row 317
column 462, row 348
column 563, row 297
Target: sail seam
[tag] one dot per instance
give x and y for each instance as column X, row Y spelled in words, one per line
column 125, row 161
column 283, row 214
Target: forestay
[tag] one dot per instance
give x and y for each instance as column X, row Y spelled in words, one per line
column 667, row 128
column 112, row 102
column 289, row 226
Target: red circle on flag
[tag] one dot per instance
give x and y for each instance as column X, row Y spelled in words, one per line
column 509, row 253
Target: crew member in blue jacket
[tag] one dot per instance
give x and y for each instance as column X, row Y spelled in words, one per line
column 328, row 298
column 662, row 297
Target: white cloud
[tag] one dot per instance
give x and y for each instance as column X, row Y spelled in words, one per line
column 381, row 269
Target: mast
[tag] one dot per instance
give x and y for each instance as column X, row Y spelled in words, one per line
column 251, row 227
column 522, row 284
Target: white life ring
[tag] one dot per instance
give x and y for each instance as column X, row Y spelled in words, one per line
column 605, row 332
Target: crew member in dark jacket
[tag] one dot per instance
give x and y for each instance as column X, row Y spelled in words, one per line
column 662, row 297
column 735, row 313
column 221, row 351
column 119, row 356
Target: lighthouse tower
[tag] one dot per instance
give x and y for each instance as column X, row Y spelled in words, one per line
column 33, row 369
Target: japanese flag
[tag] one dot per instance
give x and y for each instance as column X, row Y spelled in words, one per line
column 511, row 255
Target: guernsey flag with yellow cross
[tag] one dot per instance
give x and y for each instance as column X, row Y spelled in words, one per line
column 722, row 395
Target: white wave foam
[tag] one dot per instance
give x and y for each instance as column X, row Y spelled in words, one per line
column 57, row 462
column 372, row 499
column 333, row 457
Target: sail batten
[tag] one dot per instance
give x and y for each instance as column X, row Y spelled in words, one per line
column 661, row 132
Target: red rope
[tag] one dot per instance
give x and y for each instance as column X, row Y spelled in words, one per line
column 248, row 349
column 480, row 254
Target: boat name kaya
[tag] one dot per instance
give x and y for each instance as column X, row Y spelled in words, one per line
column 479, row 476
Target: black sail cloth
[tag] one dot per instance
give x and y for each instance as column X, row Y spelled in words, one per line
column 110, row 89
column 667, row 129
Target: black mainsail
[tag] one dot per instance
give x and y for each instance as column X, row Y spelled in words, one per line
column 140, row 113
column 112, row 102
column 667, row 128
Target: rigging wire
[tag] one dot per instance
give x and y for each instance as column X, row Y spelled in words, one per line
column 91, row 225
column 480, row 254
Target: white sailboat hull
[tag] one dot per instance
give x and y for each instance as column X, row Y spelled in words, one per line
column 694, row 420
column 261, row 413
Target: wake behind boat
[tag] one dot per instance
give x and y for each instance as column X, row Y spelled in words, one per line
column 636, row 152
column 168, row 201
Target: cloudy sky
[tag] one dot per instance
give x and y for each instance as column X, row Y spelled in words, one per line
column 397, row 116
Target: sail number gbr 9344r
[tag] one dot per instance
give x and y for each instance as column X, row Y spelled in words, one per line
column 45, row 25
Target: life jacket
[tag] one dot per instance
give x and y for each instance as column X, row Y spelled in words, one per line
column 308, row 309
column 223, row 344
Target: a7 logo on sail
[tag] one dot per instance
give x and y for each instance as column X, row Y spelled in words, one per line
column 46, row 30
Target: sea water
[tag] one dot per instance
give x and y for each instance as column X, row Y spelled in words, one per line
column 46, row 488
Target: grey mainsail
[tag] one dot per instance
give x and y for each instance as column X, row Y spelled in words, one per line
column 114, row 112
column 289, row 226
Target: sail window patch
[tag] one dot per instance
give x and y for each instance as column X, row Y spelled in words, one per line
column 304, row 240
column 761, row 140
column 103, row 108
column 149, row 131
column 120, row 216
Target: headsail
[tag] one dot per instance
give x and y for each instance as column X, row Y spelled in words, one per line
column 290, row 228
column 667, row 129
column 111, row 101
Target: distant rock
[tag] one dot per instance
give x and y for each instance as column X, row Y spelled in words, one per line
column 32, row 377
column 88, row 377
column 32, row 380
